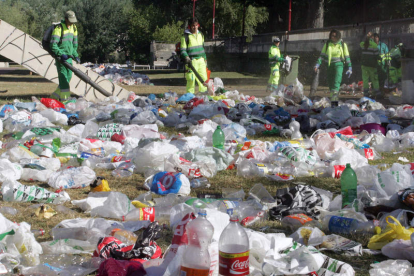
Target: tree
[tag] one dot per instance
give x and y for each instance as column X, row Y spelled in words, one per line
column 13, row 13
column 100, row 27
column 315, row 14
column 170, row 33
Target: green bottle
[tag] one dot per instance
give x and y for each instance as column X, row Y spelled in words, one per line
column 348, row 186
column 218, row 138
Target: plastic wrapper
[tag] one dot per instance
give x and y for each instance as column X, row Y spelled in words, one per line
column 75, row 177
column 15, row 191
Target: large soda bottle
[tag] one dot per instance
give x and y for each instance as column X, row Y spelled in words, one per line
column 157, row 213
column 342, row 225
column 196, row 260
column 218, row 138
column 348, row 186
column 234, row 250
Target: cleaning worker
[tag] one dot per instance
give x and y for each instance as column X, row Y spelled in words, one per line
column 63, row 49
column 335, row 53
column 382, row 63
column 369, row 62
column 192, row 51
column 395, row 67
column 275, row 60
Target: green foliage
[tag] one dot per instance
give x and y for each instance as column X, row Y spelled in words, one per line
column 13, row 13
column 100, row 26
column 170, row 33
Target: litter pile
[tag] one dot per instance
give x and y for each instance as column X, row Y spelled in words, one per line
column 123, row 135
column 117, row 74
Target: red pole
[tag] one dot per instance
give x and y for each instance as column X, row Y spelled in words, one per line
column 214, row 15
column 194, row 8
column 290, row 14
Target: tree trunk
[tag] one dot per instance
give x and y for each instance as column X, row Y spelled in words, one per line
column 315, row 14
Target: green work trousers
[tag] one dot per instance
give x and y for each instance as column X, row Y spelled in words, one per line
column 273, row 82
column 370, row 73
column 62, row 92
column 395, row 74
column 335, row 71
column 200, row 66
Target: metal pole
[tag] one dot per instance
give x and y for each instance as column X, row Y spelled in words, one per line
column 214, row 15
column 290, row 14
column 194, row 8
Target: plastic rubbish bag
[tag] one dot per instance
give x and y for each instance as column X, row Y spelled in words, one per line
column 174, row 163
column 395, row 231
column 105, row 204
column 74, row 177
column 391, row 268
column 166, row 182
column 9, row 170
column 210, row 155
column 15, row 191
column 399, row 249
column 152, row 156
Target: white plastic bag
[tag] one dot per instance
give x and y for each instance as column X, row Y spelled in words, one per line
column 152, row 156
column 105, row 204
column 74, row 177
column 9, row 170
column 391, row 268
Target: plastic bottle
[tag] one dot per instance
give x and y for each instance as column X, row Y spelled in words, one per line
column 234, row 250
column 196, row 260
column 125, row 169
column 348, row 186
column 294, row 126
column 201, row 182
column 218, row 138
column 8, row 211
column 38, row 232
column 76, row 233
column 294, row 222
column 161, row 213
column 342, row 225
column 124, row 236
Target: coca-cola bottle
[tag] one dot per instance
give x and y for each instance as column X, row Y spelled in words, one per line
column 234, row 250
column 196, row 260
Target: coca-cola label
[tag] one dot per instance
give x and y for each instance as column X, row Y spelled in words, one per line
column 234, row 263
column 268, row 126
column 147, row 214
column 338, row 170
column 369, row 154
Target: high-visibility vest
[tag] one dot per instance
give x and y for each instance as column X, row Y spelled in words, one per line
column 275, row 58
column 69, row 43
column 370, row 55
column 195, row 47
column 335, row 53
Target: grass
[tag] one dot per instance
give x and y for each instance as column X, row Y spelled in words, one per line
column 23, row 86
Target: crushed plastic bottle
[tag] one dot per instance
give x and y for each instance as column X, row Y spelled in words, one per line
column 294, row 126
column 149, row 213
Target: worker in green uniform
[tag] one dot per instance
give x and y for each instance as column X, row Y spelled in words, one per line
column 335, row 53
column 396, row 54
column 275, row 60
column 192, row 51
column 382, row 67
column 64, row 49
column 369, row 62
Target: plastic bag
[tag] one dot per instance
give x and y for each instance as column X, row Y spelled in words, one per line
column 399, row 249
column 15, row 191
column 391, row 268
column 152, row 156
column 74, row 177
column 9, row 170
column 164, row 183
column 105, row 204
column 210, row 155
column 52, row 103
column 396, row 231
